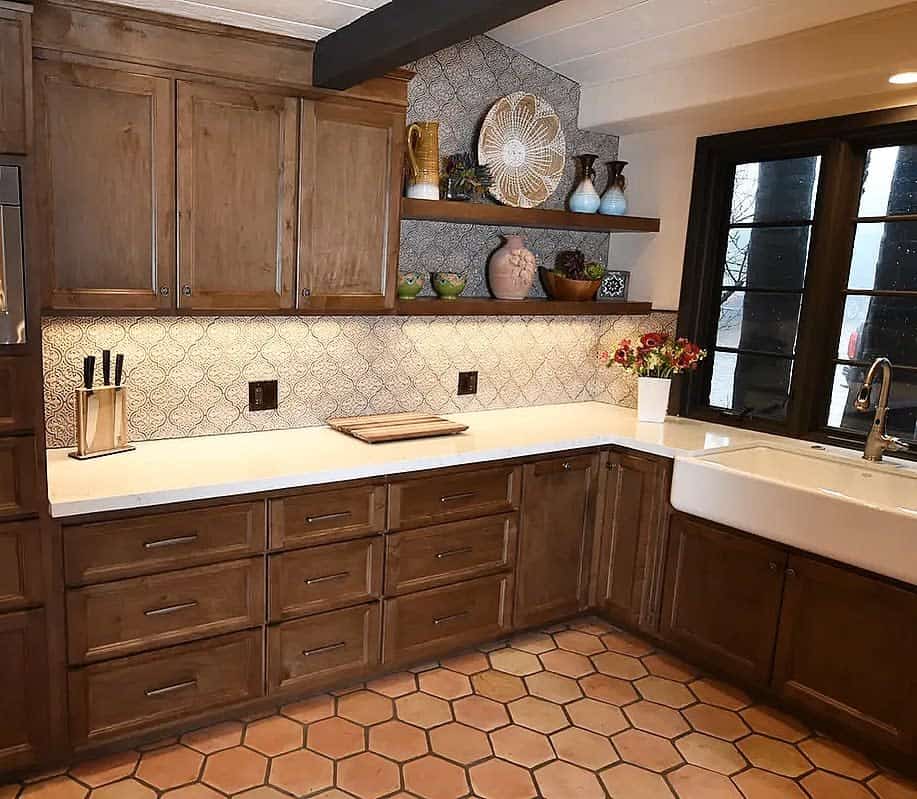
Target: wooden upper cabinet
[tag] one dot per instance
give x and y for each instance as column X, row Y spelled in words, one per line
column 104, row 154
column 350, row 207
column 555, row 538
column 237, row 169
column 15, row 81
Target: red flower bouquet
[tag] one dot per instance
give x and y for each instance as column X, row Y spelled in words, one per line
column 657, row 355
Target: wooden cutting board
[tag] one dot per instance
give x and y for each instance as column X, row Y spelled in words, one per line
column 395, row 427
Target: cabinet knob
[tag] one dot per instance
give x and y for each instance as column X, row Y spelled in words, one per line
column 164, row 291
column 791, row 572
column 773, row 566
column 567, row 466
column 306, row 292
column 186, row 290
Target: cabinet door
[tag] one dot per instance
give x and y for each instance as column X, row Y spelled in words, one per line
column 18, row 385
column 237, row 155
column 105, row 160
column 847, row 651
column 350, row 207
column 15, row 81
column 555, row 541
column 18, row 476
column 23, row 700
column 722, row 598
column 633, row 536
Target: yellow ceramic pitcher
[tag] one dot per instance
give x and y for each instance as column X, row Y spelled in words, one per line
column 423, row 153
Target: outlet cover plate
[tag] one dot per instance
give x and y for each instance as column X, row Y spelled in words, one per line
column 467, row 383
column 262, row 396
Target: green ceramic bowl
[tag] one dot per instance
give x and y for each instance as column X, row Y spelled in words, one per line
column 448, row 285
column 410, row 284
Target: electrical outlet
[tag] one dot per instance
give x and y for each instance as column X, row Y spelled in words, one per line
column 467, row 383
column 262, row 395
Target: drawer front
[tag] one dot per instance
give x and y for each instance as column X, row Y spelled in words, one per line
column 431, row 556
column 324, row 578
column 17, row 388
column 149, row 544
column 324, row 515
column 20, row 565
column 115, row 698
column 115, row 619
column 453, row 495
column 316, row 652
column 18, row 477
column 442, row 619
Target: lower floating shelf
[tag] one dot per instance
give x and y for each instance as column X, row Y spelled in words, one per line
column 484, row 306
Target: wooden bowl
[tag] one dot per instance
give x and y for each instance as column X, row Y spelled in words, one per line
column 559, row 287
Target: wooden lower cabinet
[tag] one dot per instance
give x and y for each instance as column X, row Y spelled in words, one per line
column 722, row 598
column 847, row 652
column 21, row 583
column 18, row 476
column 555, row 538
column 18, row 387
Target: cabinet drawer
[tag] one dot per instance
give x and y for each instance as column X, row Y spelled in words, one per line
column 417, row 559
column 431, row 622
column 112, row 699
column 453, row 495
column 119, row 618
column 323, row 578
column 18, row 476
column 148, row 544
column 319, row 651
column 325, row 515
column 20, row 565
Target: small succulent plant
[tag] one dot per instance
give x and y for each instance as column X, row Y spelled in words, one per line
column 466, row 175
column 572, row 264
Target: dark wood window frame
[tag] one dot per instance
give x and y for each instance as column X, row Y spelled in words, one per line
column 842, row 143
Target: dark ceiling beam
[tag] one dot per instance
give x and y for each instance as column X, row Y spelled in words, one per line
column 405, row 30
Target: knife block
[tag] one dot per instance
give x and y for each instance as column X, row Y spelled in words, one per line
column 101, row 422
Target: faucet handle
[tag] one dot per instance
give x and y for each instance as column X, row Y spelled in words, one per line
column 901, row 445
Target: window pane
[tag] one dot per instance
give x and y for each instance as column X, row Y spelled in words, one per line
column 902, row 415
column 775, row 191
column 767, row 258
column 758, row 321
column 890, row 185
column 885, row 257
column 880, row 326
column 752, row 384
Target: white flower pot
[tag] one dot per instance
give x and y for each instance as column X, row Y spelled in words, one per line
column 652, row 398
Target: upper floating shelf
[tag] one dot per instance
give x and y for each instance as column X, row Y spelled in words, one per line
column 469, row 213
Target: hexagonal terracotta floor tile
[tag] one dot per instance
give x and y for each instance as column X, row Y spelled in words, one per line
column 394, row 685
column 665, row 692
column 422, row 710
column 368, row 776
column 691, row 782
column 597, row 716
column 612, row 690
column 215, row 738
column 170, row 767
column 335, row 738
column 467, row 663
column 536, row 643
column 434, row 778
column 480, row 712
column 559, row 780
column 577, row 641
column 584, row 748
column 267, row 792
column 460, row 743
column 626, row 644
column 615, row 664
column 301, row 772
column 716, row 721
column 714, row 692
column 569, row 664
column 519, row 745
column 670, row 667
column 710, row 753
column 592, row 625
column 538, row 715
column 824, row 785
column 831, row 756
column 498, row 685
column 55, row 788
column 657, row 719
column 647, row 750
column 309, row 710
column 626, row 781
column 234, row 770
column 515, row 661
column 776, row 756
column 772, row 722
column 131, row 789
column 274, row 736
column 398, row 741
column 106, row 769
column 891, row 786
column 497, row 779
column 553, row 687
column 758, row 784
column 366, row 708
column 445, row 684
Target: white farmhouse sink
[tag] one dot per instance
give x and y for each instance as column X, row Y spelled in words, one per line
column 833, row 505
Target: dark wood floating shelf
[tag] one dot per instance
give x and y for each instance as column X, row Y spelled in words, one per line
column 487, row 214
column 484, row 306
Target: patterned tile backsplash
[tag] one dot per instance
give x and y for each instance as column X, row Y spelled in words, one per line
column 189, row 376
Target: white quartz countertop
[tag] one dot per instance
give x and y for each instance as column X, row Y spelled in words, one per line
column 188, row 469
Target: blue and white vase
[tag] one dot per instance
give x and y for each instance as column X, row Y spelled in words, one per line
column 614, row 200
column 586, row 200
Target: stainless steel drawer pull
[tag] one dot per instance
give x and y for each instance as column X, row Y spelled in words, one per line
column 171, row 689
column 457, row 497
column 326, row 579
column 323, row 649
column 454, row 552
column 170, row 542
column 454, row 617
column 327, row 517
column 171, row 609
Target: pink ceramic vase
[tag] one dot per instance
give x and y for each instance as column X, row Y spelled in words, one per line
column 511, row 270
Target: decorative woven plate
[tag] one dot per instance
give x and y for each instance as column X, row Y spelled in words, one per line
column 522, row 141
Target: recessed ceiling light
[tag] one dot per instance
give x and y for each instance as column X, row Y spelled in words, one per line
column 903, row 77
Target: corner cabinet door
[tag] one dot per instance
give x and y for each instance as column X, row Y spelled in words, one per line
column 350, row 207
column 847, row 652
column 16, row 81
column 105, row 163
column 555, row 541
column 722, row 598
column 237, row 153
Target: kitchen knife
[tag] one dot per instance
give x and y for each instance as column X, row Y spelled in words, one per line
column 106, row 367
column 119, row 368
column 89, row 368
